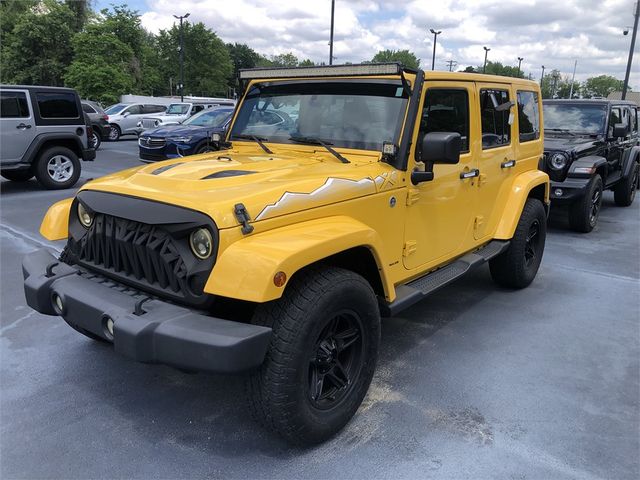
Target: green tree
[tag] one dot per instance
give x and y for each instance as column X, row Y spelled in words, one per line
column 81, row 11
column 550, row 83
column 497, row 68
column 284, row 60
column 405, row 57
column 37, row 49
column 306, row 63
column 601, row 86
column 242, row 56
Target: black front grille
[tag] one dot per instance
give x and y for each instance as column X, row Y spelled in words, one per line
column 137, row 250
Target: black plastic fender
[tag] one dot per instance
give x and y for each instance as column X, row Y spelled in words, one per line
column 592, row 161
column 630, row 158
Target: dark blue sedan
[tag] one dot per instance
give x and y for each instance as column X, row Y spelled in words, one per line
column 189, row 138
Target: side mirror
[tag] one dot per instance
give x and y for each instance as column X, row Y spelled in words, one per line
column 620, row 130
column 441, row 147
column 126, row 114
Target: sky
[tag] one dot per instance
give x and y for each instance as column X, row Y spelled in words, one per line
column 553, row 33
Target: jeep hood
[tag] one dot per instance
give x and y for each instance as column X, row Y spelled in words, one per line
column 569, row 143
column 267, row 185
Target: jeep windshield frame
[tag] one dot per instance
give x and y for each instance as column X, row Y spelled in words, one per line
column 575, row 118
column 355, row 113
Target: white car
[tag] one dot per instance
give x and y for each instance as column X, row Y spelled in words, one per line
column 176, row 113
column 124, row 117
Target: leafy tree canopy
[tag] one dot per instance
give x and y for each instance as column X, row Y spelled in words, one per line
column 405, row 57
column 601, row 86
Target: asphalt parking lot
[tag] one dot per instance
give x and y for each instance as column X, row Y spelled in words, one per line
column 476, row 382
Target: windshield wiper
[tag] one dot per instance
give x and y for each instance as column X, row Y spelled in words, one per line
column 561, row 130
column 258, row 140
column 317, row 141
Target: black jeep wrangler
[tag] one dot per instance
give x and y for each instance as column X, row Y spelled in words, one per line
column 590, row 146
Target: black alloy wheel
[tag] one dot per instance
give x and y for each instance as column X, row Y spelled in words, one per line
column 532, row 243
column 596, row 202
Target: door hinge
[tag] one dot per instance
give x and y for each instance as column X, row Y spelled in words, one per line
column 479, row 220
column 409, row 247
column 413, row 195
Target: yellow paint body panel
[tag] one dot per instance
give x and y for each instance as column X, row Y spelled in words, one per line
column 55, row 224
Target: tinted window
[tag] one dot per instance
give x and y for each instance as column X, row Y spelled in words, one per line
column 57, row 105
column 152, row 109
column 446, row 111
column 134, row 110
column 496, row 130
column 86, row 108
column 528, row 116
column 13, row 105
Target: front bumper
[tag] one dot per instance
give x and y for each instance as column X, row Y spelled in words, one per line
column 152, row 331
column 572, row 189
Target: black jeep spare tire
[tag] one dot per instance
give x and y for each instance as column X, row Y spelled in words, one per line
column 323, row 351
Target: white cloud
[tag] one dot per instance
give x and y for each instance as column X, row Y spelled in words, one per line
column 549, row 32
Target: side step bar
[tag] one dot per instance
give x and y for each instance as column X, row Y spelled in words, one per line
column 416, row 290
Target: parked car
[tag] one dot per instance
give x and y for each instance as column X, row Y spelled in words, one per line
column 99, row 122
column 277, row 258
column 177, row 113
column 189, row 138
column 590, row 146
column 43, row 134
column 124, row 118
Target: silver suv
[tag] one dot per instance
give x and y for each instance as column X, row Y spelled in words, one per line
column 43, row 133
column 124, row 117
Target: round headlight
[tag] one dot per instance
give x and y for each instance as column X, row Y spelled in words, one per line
column 201, row 243
column 558, row 161
column 86, row 218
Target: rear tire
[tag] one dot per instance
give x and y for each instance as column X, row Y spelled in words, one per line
column 323, row 351
column 18, row 175
column 57, row 168
column 625, row 191
column 518, row 266
column 95, row 140
column 584, row 213
column 114, row 133
column 205, row 149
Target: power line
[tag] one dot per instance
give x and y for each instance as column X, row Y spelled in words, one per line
column 451, row 64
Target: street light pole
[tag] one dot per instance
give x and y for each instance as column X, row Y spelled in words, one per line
column 519, row 63
column 435, row 39
column 181, row 17
column 333, row 9
column 486, row 50
column 633, row 45
column 542, row 76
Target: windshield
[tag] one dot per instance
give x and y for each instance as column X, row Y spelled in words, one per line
column 361, row 114
column 113, row 109
column 177, row 109
column 209, row 118
column 576, row 118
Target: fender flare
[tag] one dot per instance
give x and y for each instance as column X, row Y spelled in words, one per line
column 245, row 269
column 629, row 157
column 55, row 224
column 521, row 189
column 592, row 161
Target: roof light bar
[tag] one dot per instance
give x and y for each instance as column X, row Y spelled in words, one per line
column 323, row 71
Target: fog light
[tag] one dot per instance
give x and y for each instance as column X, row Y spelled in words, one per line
column 58, row 306
column 201, row 243
column 558, row 192
column 86, row 218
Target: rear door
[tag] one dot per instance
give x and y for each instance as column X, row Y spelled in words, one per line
column 17, row 125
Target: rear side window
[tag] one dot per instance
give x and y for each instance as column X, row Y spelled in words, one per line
column 447, row 110
column 496, row 131
column 13, row 105
column 86, row 108
column 57, row 105
column 134, row 110
column 528, row 116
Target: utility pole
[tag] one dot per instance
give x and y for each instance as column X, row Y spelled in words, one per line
column 486, row 50
column 633, row 45
column 519, row 63
column 181, row 17
column 451, row 64
column 435, row 39
column 542, row 76
column 333, row 10
column 573, row 78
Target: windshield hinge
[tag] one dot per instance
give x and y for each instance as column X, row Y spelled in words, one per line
column 243, row 217
column 405, row 85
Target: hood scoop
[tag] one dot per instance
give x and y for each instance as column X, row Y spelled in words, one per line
column 227, row 173
column 160, row 170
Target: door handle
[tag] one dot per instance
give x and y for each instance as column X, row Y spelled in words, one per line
column 22, row 126
column 470, row 174
column 508, row 164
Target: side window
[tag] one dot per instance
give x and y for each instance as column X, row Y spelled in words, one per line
column 446, row 110
column 134, row 110
column 13, row 105
column 158, row 108
column 528, row 116
column 149, row 109
column 496, row 130
column 57, row 105
column 86, row 108
column 616, row 116
column 634, row 120
column 196, row 109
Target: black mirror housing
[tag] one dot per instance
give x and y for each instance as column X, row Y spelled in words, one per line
column 620, row 130
column 441, row 147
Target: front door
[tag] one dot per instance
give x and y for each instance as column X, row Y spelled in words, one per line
column 440, row 213
column 17, row 126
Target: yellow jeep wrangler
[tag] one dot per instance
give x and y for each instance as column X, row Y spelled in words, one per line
column 342, row 194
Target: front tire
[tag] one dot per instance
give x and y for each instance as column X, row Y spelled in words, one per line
column 584, row 213
column 625, row 191
column 518, row 266
column 57, row 168
column 323, row 352
column 18, row 175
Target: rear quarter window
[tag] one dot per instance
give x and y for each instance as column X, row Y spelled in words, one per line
column 13, row 105
column 57, row 105
column 528, row 116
